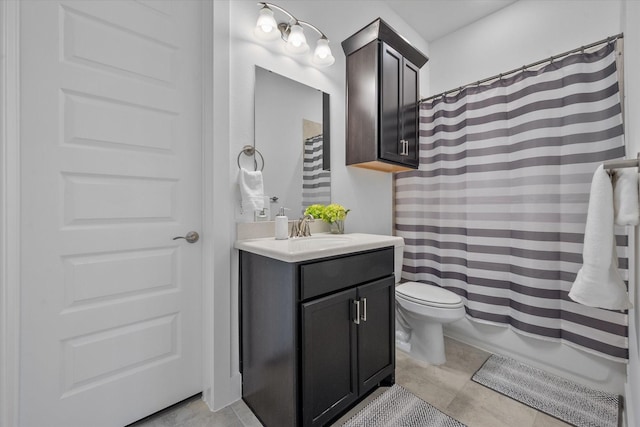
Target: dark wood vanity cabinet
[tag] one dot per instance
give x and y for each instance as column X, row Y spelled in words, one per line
column 382, row 99
column 316, row 336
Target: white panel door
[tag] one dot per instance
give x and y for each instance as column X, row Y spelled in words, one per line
column 111, row 172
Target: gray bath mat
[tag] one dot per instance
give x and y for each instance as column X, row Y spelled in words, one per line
column 397, row 407
column 563, row 399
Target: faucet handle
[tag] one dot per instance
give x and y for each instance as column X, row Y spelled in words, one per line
column 305, row 228
column 295, row 229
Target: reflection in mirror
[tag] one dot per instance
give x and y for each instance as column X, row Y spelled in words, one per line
column 291, row 123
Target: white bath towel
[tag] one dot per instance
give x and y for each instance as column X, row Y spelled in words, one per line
column 251, row 190
column 598, row 283
column 625, row 197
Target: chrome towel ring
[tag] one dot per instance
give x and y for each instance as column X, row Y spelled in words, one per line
column 250, row 150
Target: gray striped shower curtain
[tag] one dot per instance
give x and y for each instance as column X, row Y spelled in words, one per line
column 496, row 212
column 316, row 182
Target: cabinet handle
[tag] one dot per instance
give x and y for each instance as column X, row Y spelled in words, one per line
column 404, row 147
column 364, row 310
column 357, row 318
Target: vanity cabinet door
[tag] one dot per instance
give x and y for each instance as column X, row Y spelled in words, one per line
column 329, row 376
column 376, row 331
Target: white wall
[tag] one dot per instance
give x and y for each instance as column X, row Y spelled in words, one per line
column 519, row 34
column 631, row 14
column 522, row 33
column 367, row 193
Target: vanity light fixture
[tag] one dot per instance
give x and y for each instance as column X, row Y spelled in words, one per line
column 266, row 27
column 291, row 31
column 296, row 41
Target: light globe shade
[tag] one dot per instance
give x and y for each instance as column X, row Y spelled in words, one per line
column 296, row 42
column 322, row 56
column 266, row 27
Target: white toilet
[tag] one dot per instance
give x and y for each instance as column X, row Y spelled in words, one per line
column 421, row 310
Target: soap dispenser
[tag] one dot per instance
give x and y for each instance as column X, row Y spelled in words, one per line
column 282, row 225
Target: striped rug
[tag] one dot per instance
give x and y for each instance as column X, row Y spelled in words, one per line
column 566, row 400
column 398, row 407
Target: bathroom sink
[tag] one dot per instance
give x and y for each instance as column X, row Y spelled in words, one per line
column 316, row 246
column 318, row 242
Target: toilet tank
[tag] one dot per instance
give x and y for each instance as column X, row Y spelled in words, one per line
column 398, row 256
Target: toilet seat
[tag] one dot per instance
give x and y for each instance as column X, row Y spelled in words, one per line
column 428, row 295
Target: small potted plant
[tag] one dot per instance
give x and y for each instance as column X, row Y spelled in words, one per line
column 333, row 214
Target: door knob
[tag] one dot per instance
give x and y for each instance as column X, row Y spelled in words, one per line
column 191, row 237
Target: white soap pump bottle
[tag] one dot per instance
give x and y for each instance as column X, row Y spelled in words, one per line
column 282, row 225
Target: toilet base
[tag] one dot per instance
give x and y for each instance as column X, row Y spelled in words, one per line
column 427, row 343
column 403, row 346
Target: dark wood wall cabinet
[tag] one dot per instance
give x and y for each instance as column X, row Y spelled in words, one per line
column 382, row 99
column 316, row 336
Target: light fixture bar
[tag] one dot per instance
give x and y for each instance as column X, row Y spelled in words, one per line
column 261, row 3
column 312, row 26
column 293, row 34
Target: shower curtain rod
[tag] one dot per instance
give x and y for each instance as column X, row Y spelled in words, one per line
column 525, row 67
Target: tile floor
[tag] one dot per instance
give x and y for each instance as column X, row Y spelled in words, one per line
column 448, row 387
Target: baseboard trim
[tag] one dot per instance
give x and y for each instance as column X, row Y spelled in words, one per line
column 628, row 411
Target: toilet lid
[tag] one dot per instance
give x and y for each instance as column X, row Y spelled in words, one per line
column 428, row 294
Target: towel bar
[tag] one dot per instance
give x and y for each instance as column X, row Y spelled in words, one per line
column 622, row 163
column 249, row 150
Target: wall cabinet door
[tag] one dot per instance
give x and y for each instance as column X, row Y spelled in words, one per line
column 390, row 103
column 398, row 108
column 409, row 119
column 376, row 348
column 329, row 375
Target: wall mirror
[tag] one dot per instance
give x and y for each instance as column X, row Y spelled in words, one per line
column 292, row 134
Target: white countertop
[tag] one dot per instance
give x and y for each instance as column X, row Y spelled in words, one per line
column 319, row 245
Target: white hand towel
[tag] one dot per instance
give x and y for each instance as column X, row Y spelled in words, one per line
column 251, row 189
column 598, row 283
column 625, row 197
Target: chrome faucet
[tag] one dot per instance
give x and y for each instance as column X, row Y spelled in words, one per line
column 301, row 228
